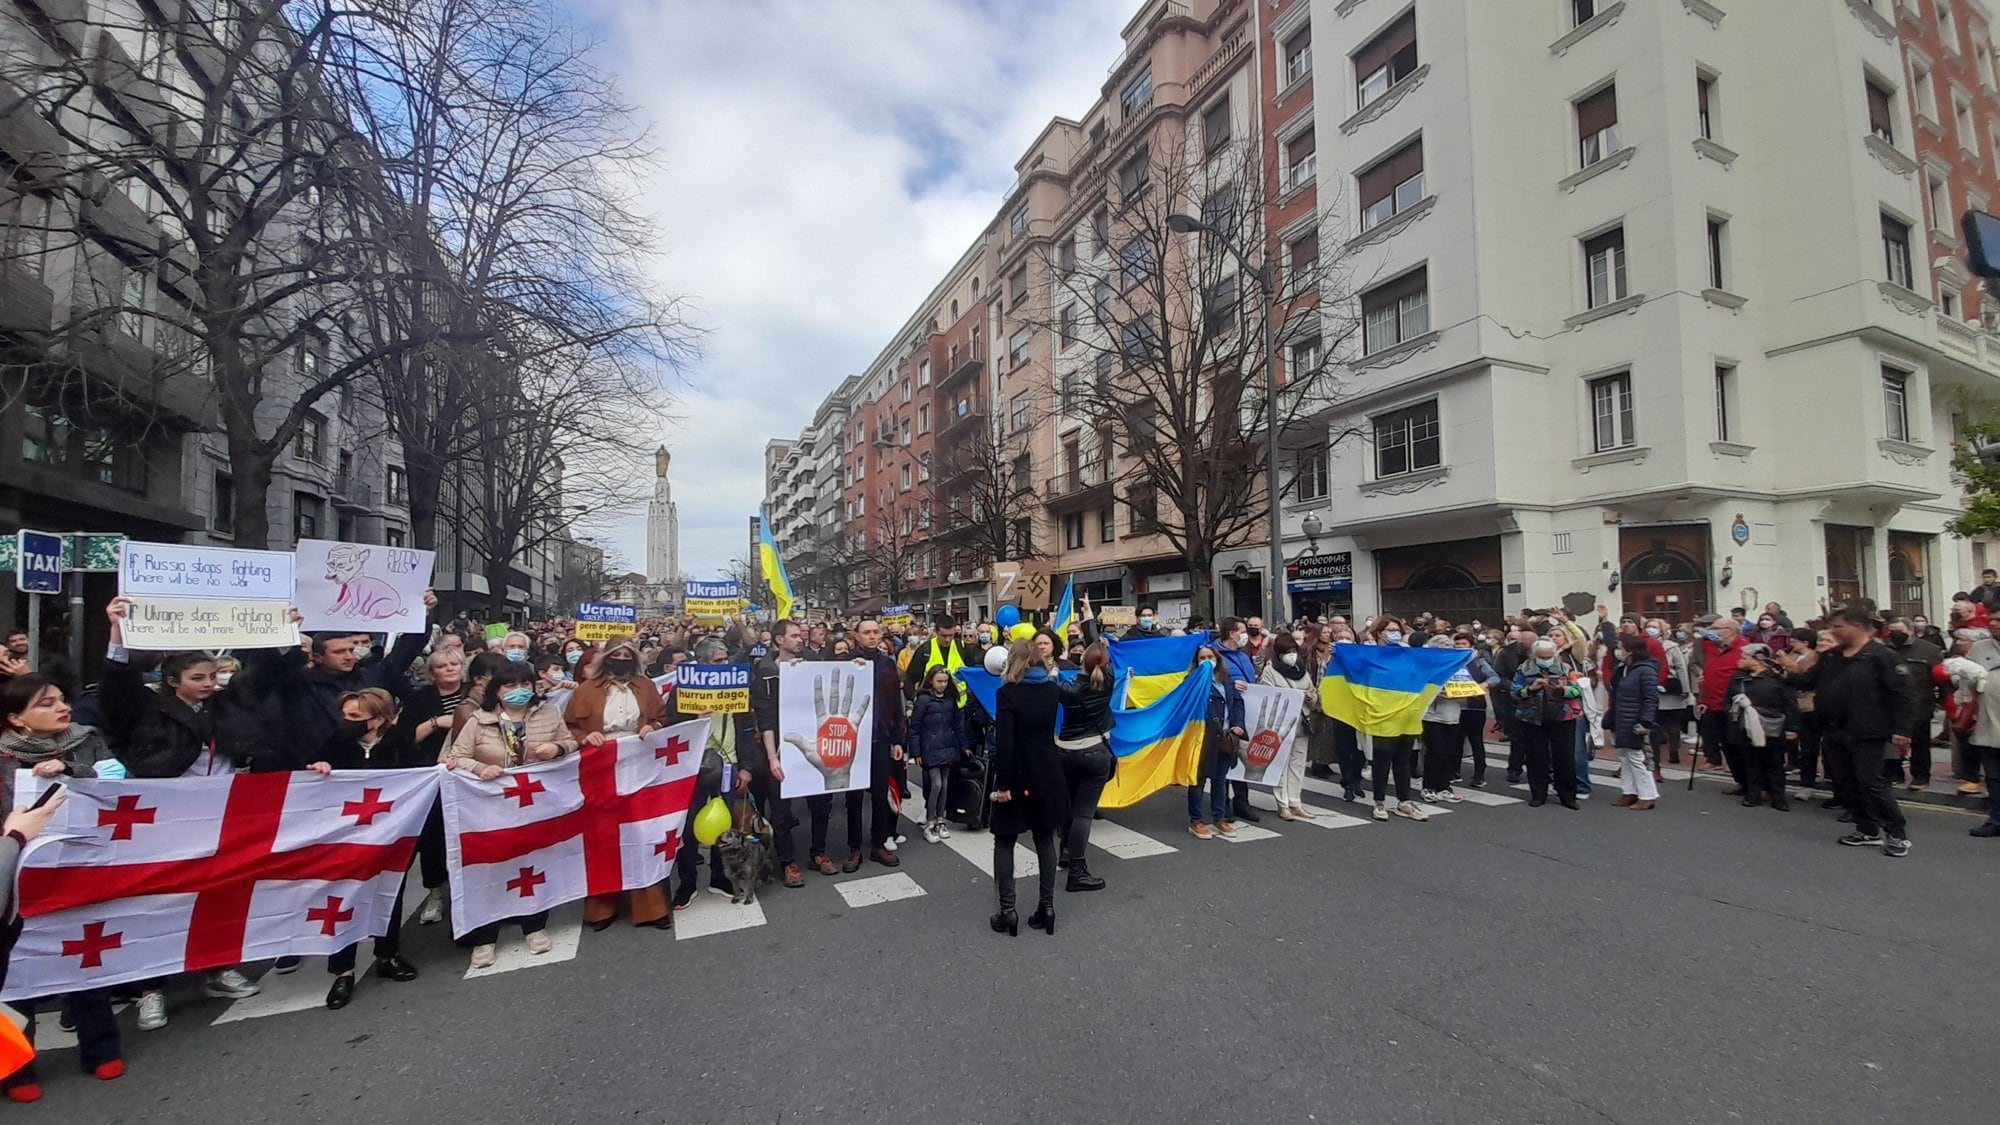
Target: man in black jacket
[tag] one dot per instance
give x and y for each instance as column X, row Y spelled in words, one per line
column 890, row 733
column 787, row 641
column 303, row 697
column 1506, row 662
column 1921, row 659
column 1862, row 701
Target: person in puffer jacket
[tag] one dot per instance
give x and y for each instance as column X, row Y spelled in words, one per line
column 937, row 742
column 1634, row 710
column 1763, row 717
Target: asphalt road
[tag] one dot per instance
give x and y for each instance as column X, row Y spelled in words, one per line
column 1698, row 963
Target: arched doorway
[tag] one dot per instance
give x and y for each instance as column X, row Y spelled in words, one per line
column 1666, row 583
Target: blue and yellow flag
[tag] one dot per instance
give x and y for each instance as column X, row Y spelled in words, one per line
column 1065, row 610
column 1158, row 745
column 1152, row 667
column 1383, row 689
column 774, row 567
column 985, row 687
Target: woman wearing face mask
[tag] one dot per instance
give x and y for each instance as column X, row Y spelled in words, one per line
column 1548, row 705
column 1225, row 721
column 226, row 668
column 1290, row 670
column 1391, row 755
column 517, row 648
column 1635, row 706
column 428, row 719
column 370, row 740
column 615, row 702
column 37, row 736
column 510, row 728
column 574, row 664
column 1673, row 709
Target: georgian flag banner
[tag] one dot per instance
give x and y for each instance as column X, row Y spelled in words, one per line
column 141, row 879
column 606, row 819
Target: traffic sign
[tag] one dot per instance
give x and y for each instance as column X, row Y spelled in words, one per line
column 40, row 566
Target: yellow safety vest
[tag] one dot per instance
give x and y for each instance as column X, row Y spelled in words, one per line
column 950, row 662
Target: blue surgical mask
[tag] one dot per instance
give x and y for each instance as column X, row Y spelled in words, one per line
column 1392, row 637
column 572, row 657
column 1711, row 636
column 1147, row 623
column 517, row 655
column 1652, row 632
column 518, row 696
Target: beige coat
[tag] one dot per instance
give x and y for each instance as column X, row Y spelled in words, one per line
column 482, row 741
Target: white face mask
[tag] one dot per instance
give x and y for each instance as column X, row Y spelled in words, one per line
column 222, row 678
column 1289, row 660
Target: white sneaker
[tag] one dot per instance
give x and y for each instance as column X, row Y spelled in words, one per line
column 899, row 838
column 483, row 955
column 1410, row 810
column 1431, row 797
column 930, row 834
column 432, row 911
column 539, row 942
column 1449, row 797
column 944, row 830
column 890, row 843
column 230, row 984
column 152, row 1011
column 1381, row 811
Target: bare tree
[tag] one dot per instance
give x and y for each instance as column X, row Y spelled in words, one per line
column 1162, row 337
column 985, row 486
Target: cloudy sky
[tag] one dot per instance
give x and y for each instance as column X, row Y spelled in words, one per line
column 823, row 163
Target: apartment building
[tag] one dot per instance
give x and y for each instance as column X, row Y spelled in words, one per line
column 1645, row 320
column 114, row 427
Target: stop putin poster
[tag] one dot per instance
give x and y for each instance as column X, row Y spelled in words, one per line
column 826, row 726
column 1271, row 719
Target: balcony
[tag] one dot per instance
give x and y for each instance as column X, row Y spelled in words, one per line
column 26, row 305
column 28, row 137
column 958, row 427
column 1086, row 486
column 970, row 363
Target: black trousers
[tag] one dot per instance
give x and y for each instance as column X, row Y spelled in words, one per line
column 1764, row 768
column 1441, row 754
column 1085, row 773
column 490, row 933
column 1868, row 798
column 1472, row 732
column 1919, row 732
column 1347, row 750
column 1718, row 742
column 1392, row 756
column 764, row 790
column 388, row 945
column 820, row 809
column 1549, row 749
column 96, row 1031
column 430, row 847
column 1045, row 859
column 1806, row 750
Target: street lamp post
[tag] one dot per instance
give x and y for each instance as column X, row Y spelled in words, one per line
column 1266, row 276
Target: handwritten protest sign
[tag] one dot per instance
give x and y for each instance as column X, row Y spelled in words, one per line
column 361, row 586
column 208, row 623
column 174, row 570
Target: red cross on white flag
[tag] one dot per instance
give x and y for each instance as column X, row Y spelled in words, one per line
column 595, row 822
column 141, row 879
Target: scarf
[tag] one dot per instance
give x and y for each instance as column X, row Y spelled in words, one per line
column 30, row 749
column 1291, row 673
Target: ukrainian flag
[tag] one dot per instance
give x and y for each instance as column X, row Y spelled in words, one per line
column 1152, row 667
column 985, row 687
column 774, row 567
column 1065, row 610
column 1160, row 744
column 1383, row 689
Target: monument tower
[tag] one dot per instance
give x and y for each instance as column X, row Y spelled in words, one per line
column 663, row 531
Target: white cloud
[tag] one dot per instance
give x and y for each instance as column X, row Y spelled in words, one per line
column 822, row 166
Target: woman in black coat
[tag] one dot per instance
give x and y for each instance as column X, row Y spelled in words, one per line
column 1084, row 746
column 1028, row 791
column 1635, row 709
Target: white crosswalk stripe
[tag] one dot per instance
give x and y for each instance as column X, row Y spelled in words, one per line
column 1482, row 797
column 879, row 889
column 977, row 847
column 1246, row 833
column 1321, row 817
column 565, row 930
column 707, row 915
column 1124, row 843
column 306, row 987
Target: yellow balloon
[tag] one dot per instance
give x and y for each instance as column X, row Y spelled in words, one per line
column 711, row 822
column 1021, row 632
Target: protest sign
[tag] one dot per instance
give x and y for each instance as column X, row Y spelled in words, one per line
column 173, row 570
column 604, row 621
column 1025, row 583
column 361, row 586
column 826, row 724
column 896, row 616
column 711, row 602
column 1117, row 616
column 1271, row 719
column 495, row 631
column 168, row 624
column 722, row 688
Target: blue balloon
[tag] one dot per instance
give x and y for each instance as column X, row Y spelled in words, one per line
column 1008, row 617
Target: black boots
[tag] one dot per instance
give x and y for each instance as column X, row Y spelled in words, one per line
column 1044, row 918
column 1080, row 878
column 1006, row 922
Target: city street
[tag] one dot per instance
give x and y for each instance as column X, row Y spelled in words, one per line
column 1702, row 962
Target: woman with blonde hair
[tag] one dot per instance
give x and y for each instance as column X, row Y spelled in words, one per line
column 1028, row 789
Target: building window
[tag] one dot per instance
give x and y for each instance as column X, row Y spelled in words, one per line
column 1299, row 55
column 1305, row 358
column 1947, row 26
column 1136, row 173
column 1137, row 96
column 1301, row 158
column 1597, row 126
column 1219, row 308
column 1018, row 412
column 923, row 417
column 1104, row 364
column 1983, row 56
column 310, row 444
column 1725, row 402
column 1135, row 262
column 1066, row 325
column 1938, row 195
column 399, row 485
column 1961, row 112
column 1309, row 474
column 392, row 537
column 1303, row 254
column 1611, row 412
column 1396, row 311
column 1142, row 505
column 1924, row 90
column 1581, row 12
column 1072, row 531
column 1017, row 223
column 1017, row 347
column 906, row 478
column 924, row 373
column 308, row 515
column 1604, row 268
column 1215, row 126
column 1137, row 340
column 222, row 517
column 1896, row 404
column 1017, row 287
column 1385, row 60
column 924, row 468
column 1219, row 211
column 1392, row 185
column 1717, row 245
column 1704, row 105
column 1896, row 251
column 1066, row 253
column 1407, row 440
column 1881, row 111
column 1107, row 525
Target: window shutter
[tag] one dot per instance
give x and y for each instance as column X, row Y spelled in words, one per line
column 1399, row 36
column 1597, row 112
column 1376, row 183
column 1880, row 117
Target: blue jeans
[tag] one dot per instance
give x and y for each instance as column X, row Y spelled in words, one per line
column 1216, row 781
column 1583, row 755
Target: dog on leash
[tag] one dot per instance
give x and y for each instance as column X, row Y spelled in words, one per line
column 746, row 855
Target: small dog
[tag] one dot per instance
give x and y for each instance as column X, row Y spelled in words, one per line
column 746, row 855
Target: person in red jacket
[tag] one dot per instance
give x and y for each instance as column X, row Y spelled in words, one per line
column 1721, row 646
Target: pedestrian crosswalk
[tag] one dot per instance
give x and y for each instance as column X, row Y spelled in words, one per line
column 709, row 915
